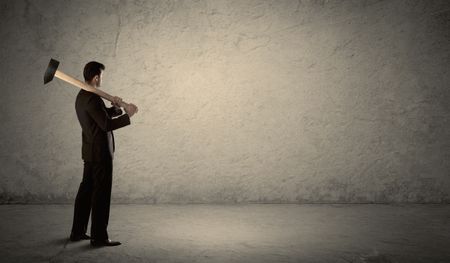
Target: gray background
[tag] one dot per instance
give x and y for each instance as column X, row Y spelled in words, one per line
column 240, row 101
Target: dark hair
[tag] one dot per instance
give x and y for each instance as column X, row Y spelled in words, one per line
column 91, row 69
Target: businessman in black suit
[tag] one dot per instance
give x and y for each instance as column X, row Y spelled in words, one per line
column 97, row 124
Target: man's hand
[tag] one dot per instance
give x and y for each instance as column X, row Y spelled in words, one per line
column 116, row 101
column 131, row 109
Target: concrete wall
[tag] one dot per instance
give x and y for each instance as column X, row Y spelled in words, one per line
column 240, row 101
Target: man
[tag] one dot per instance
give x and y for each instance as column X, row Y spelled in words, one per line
column 97, row 151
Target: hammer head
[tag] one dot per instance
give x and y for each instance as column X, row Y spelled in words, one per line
column 51, row 70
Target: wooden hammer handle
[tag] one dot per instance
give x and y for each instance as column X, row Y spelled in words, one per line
column 61, row 75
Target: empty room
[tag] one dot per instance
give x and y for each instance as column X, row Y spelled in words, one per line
column 250, row 131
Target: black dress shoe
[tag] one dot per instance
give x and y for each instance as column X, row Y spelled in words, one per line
column 79, row 237
column 104, row 243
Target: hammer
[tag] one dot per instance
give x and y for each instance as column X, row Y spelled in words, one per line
column 52, row 71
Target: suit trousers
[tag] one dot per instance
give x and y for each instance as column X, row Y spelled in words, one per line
column 94, row 194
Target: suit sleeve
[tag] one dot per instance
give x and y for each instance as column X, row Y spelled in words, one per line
column 114, row 111
column 98, row 113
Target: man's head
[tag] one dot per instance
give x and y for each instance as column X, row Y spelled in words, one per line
column 93, row 73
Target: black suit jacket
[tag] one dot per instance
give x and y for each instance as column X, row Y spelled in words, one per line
column 96, row 120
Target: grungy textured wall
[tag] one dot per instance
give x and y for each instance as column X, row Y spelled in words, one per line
column 240, row 101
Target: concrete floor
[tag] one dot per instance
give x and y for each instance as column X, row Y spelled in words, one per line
column 234, row 233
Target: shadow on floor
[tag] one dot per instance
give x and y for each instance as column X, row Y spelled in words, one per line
column 59, row 241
